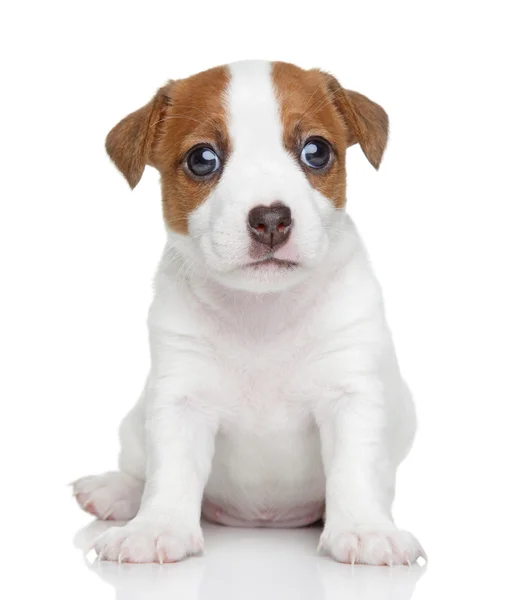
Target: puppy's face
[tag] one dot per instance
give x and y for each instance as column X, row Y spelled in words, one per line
column 252, row 164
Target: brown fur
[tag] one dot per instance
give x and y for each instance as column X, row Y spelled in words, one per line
column 191, row 111
column 367, row 122
column 314, row 104
column 130, row 142
column 182, row 114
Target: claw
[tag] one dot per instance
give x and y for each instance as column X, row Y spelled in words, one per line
column 108, row 514
column 352, row 557
column 160, row 555
column 198, row 544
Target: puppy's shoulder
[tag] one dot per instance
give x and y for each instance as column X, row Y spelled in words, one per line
column 174, row 308
column 350, row 290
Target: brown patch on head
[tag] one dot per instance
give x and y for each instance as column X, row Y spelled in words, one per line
column 314, row 104
column 181, row 115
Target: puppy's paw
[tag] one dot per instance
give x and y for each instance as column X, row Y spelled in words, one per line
column 371, row 547
column 147, row 542
column 113, row 496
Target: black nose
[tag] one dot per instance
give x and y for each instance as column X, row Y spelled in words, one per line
column 270, row 225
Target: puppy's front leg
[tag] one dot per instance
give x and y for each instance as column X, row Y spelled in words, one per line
column 180, row 435
column 360, row 481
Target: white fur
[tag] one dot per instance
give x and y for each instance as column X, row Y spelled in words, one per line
column 270, row 390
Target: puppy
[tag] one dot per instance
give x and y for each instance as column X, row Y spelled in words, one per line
column 274, row 397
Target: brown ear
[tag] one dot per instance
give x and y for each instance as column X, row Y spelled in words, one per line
column 129, row 143
column 366, row 121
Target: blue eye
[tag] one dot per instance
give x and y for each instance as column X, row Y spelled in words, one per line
column 203, row 161
column 316, row 153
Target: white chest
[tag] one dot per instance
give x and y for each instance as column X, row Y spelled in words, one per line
column 267, row 457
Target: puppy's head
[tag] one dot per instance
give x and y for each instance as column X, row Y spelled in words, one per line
column 252, row 165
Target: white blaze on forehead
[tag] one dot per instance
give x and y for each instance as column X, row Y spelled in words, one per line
column 254, row 118
column 259, row 171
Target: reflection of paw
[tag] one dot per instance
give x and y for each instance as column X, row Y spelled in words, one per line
column 367, row 583
column 146, row 542
column 392, row 547
column 113, row 496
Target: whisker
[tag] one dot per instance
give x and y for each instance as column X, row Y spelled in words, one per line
column 310, row 100
column 178, row 219
column 319, row 105
column 200, row 111
column 179, row 117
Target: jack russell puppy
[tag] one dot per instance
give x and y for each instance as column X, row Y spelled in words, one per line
column 274, row 397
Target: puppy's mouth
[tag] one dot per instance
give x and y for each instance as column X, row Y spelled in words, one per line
column 272, row 262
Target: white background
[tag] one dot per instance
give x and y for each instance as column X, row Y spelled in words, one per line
column 78, row 251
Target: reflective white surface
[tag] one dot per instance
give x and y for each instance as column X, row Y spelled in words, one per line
column 252, row 564
column 43, row 557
